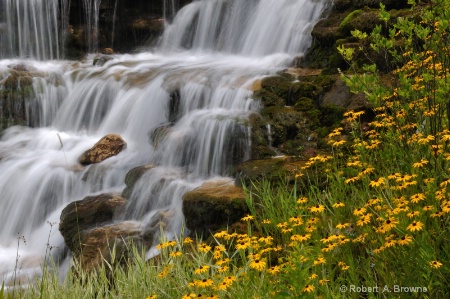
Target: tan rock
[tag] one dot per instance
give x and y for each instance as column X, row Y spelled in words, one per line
column 110, row 145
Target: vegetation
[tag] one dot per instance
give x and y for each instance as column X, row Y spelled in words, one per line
column 376, row 225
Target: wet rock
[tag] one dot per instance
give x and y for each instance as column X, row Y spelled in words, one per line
column 159, row 133
column 16, row 91
column 108, row 146
column 212, row 206
column 100, row 60
column 133, row 176
column 85, row 214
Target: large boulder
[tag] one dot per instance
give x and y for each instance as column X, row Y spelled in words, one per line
column 110, row 243
column 88, row 213
column 108, row 146
column 340, row 95
column 93, row 233
column 212, row 206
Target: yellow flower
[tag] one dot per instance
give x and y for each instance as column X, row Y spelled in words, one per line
column 365, row 219
column 204, row 283
column 301, row 238
column 223, row 269
column 378, row 183
column 296, row 220
column 413, row 214
column 415, row 226
column 274, row 270
column 338, row 143
column 201, row 269
column 359, row 211
column 405, row 240
column 420, row 164
column 342, row 225
column 189, row 296
column 329, row 248
column 224, row 285
column 428, row 208
column 266, row 221
column 258, row 265
column 323, row 281
column 310, row 228
column 203, row 247
column 338, row 204
column 187, row 240
column 317, row 209
column 152, row 297
column 435, row 264
column 302, row 200
column 390, row 243
column 417, row 197
column 320, row 260
column 242, row 245
column 221, row 262
column 308, row 289
column 389, row 224
column 313, row 276
column 175, row 254
column 247, row 218
column 221, row 234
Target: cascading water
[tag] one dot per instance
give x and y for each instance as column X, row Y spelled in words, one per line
column 33, row 28
column 75, row 104
column 91, row 12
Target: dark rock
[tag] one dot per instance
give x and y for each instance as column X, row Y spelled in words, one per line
column 90, row 212
column 108, row 146
column 100, row 60
column 214, row 205
column 133, row 176
column 340, row 95
column 159, row 133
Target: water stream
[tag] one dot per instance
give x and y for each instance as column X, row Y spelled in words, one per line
column 208, row 60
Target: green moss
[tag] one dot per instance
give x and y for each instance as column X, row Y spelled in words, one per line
column 350, row 18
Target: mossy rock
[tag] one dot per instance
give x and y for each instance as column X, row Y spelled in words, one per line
column 277, row 169
column 260, row 147
column 364, row 20
column 287, row 124
column 213, row 205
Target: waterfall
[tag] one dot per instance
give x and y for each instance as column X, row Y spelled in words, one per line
column 208, row 60
column 91, row 13
column 33, row 28
column 251, row 27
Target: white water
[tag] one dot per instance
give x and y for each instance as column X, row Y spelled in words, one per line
column 131, row 96
column 91, row 12
column 32, row 28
